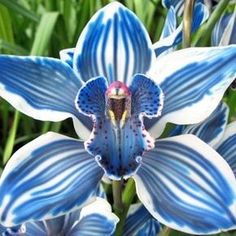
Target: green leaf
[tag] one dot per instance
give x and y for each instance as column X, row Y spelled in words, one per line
column 6, row 32
column 12, row 48
column 13, row 5
column 69, row 16
column 11, row 138
column 44, row 33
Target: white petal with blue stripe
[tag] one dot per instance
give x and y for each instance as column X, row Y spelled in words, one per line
column 48, row 177
column 140, row 222
column 183, row 183
column 224, row 32
column 227, row 146
column 114, row 44
column 193, row 81
column 166, row 44
column 96, row 219
column 43, row 88
column 212, row 129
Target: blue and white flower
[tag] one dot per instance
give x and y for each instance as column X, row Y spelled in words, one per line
column 115, row 80
column 224, row 32
column 178, row 5
column 94, row 219
column 172, row 33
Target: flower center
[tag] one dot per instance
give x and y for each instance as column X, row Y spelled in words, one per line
column 118, row 104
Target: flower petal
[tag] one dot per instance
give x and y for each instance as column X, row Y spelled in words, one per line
column 193, row 83
column 48, row 177
column 114, row 44
column 227, row 146
column 178, row 5
column 36, row 228
column 91, row 97
column 140, row 222
column 183, row 183
column 200, row 15
column 96, row 219
column 147, row 97
column 13, row 231
column 56, row 226
column 224, row 32
column 212, row 129
column 170, row 23
column 67, row 55
column 43, row 88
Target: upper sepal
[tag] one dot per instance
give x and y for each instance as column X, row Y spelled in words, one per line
column 114, row 44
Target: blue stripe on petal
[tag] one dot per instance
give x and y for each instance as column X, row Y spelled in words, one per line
column 61, row 225
column 212, row 129
column 183, row 183
column 200, row 15
column 170, row 24
column 150, row 228
column 36, row 228
column 193, row 83
column 49, row 176
column 43, row 88
column 44, row 83
column 224, row 32
column 178, row 5
column 177, row 130
column 227, row 146
column 140, row 222
column 147, row 96
column 96, row 219
column 114, row 44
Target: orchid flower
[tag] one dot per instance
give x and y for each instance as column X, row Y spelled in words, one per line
column 178, row 5
column 224, row 32
column 172, row 34
column 93, row 219
column 116, row 80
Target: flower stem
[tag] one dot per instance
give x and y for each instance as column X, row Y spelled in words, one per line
column 117, row 195
column 127, row 198
column 203, row 36
column 187, row 22
column 166, row 231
